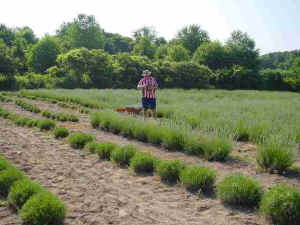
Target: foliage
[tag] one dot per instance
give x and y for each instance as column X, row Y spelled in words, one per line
column 7, row 178
column 142, row 163
column 282, row 205
column 43, row 208
column 198, row 178
column 92, row 146
column 46, row 124
column 79, row 140
column 215, row 148
column 105, row 150
column 122, row 155
column 169, row 170
column 177, row 53
column 192, row 36
column 274, row 156
column 239, row 190
column 144, row 47
column 21, row 191
column 43, row 54
column 61, row 132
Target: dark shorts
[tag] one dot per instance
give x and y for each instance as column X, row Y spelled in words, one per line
column 149, row 103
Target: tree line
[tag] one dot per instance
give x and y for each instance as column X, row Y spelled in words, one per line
column 83, row 55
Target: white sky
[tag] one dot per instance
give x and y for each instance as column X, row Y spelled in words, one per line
column 218, row 17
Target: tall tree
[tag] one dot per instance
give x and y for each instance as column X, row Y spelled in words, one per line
column 145, row 32
column 84, row 31
column 211, row 54
column 178, row 53
column 7, row 35
column 43, row 54
column 115, row 43
column 192, row 36
column 144, row 47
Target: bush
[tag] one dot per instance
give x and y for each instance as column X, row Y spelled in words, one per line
column 240, row 191
column 92, row 146
column 197, row 178
column 193, row 146
column 31, row 123
column 43, row 208
column 142, row 163
column 21, row 191
column 282, row 205
column 3, row 164
column 61, row 132
column 79, row 140
column 275, row 157
column 7, row 178
column 216, row 148
column 73, row 118
column 169, row 170
column 105, row 150
column 46, row 124
column 22, row 121
column 174, row 139
column 123, row 154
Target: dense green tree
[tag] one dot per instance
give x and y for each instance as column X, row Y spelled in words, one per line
column 192, row 36
column 87, row 68
column 7, row 60
column 84, row 31
column 295, row 68
column 7, row 35
column 241, row 51
column 145, row 32
column 42, row 55
column 279, row 60
column 212, row 54
column 191, row 75
column 144, row 47
column 27, row 34
column 178, row 53
column 115, row 43
column 161, row 52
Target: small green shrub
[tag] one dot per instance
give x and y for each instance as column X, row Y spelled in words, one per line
column 95, row 120
column 21, row 191
column 282, row 205
column 142, row 163
column 43, row 208
column 216, row 148
column 79, row 140
column 46, row 124
column 169, row 170
column 197, row 178
column 7, row 178
column 105, row 149
column 275, row 157
column 4, row 164
column 174, row 139
column 123, row 154
column 31, row 123
column 61, row 132
column 73, row 118
column 239, row 190
column 22, row 121
column 92, row 146
column 193, row 146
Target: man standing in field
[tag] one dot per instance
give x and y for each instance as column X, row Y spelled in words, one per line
column 148, row 85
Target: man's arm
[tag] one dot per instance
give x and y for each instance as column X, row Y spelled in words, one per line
column 141, row 84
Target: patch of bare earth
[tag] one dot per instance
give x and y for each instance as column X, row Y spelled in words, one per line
column 101, row 193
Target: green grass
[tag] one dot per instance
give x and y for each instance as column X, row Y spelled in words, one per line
column 143, row 163
column 282, row 205
column 79, row 140
column 239, row 190
column 61, row 132
column 122, row 155
column 198, row 178
column 105, row 149
column 43, row 208
column 7, row 178
column 169, row 170
column 275, row 157
column 46, row 124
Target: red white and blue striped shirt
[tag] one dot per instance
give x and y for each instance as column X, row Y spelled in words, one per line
column 148, row 82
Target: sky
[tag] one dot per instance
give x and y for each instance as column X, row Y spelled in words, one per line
column 273, row 24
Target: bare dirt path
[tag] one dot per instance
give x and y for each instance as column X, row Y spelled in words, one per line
column 101, row 193
column 7, row 216
column 223, row 168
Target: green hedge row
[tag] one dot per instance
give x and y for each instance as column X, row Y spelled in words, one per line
column 56, row 116
column 173, row 139
column 281, row 205
column 35, row 205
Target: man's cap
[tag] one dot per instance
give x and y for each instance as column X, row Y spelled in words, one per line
column 148, row 72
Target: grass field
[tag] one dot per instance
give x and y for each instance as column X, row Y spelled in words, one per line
column 255, row 116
